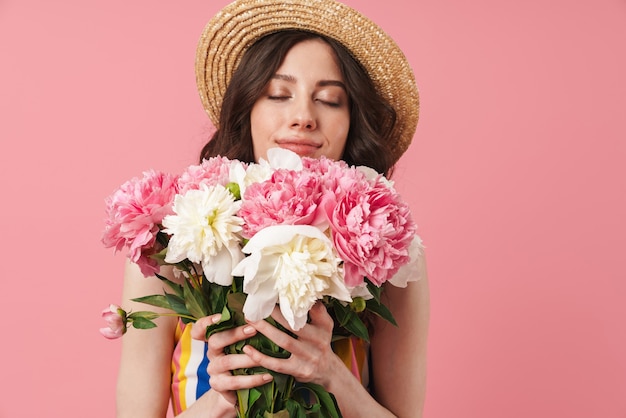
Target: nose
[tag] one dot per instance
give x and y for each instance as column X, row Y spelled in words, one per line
column 303, row 115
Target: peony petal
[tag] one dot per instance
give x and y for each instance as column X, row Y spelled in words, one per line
column 361, row 291
column 110, row 334
column 373, row 175
column 247, row 266
column 281, row 234
column 296, row 322
column 217, row 269
column 410, row 272
column 338, row 290
column 284, row 158
column 259, row 305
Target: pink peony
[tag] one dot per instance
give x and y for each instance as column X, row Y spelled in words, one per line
column 372, row 231
column 115, row 318
column 336, row 179
column 335, row 176
column 134, row 213
column 288, row 198
column 215, row 170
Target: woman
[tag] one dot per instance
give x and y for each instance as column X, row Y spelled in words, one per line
column 308, row 78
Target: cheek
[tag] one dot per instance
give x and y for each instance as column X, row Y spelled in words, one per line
column 341, row 133
column 255, row 133
column 257, row 123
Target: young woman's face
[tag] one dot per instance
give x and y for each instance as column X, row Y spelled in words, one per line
column 304, row 107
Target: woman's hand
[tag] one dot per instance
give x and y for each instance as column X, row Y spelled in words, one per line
column 221, row 364
column 312, row 358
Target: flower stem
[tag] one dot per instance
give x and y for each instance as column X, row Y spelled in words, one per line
column 289, row 385
column 192, row 318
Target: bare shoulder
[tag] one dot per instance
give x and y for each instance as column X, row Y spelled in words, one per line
column 399, row 353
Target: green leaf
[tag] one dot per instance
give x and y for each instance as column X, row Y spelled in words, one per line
column 267, row 391
column 178, row 289
column 376, row 291
column 214, row 295
column 154, row 300
column 235, row 304
column 254, row 399
column 356, row 326
column 342, row 313
column 159, row 257
column 381, row 310
column 177, row 304
column 295, row 409
column 224, row 323
column 143, row 323
column 326, row 399
column 194, row 301
column 280, row 414
column 242, row 399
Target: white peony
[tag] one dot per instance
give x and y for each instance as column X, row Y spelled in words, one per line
column 293, row 265
column 205, row 230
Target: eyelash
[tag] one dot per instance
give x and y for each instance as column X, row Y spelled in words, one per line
column 327, row 103
column 331, row 104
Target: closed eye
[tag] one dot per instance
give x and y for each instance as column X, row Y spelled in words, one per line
column 279, row 97
column 331, row 104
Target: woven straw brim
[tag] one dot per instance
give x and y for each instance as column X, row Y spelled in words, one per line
column 237, row 26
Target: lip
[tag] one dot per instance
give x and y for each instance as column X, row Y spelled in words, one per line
column 304, row 147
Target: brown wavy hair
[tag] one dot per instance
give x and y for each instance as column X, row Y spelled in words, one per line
column 372, row 118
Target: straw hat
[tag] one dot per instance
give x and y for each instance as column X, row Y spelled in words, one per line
column 237, row 26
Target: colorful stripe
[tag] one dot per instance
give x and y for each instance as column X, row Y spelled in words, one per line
column 190, row 379
column 354, row 354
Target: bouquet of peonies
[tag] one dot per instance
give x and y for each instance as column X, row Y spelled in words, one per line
column 244, row 237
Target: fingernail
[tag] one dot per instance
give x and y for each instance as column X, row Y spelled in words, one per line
column 267, row 377
column 249, row 330
column 216, row 319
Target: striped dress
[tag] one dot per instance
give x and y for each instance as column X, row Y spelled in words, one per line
column 189, row 365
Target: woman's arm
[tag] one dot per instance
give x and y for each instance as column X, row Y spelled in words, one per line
column 143, row 385
column 399, row 353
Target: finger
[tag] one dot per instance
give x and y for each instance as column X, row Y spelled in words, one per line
column 279, row 337
column 230, row 362
column 302, row 369
column 198, row 330
column 220, row 340
column 319, row 328
column 272, row 363
column 227, row 382
column 319, row 316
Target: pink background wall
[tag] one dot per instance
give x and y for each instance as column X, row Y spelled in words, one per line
column 516, row 178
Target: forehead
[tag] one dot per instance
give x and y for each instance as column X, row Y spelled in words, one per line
column 311, row 56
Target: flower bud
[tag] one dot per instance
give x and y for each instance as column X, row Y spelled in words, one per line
column 115, row 318
column 357, row 304
column 234, row 189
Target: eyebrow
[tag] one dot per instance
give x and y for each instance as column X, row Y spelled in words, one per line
column 321, row 83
